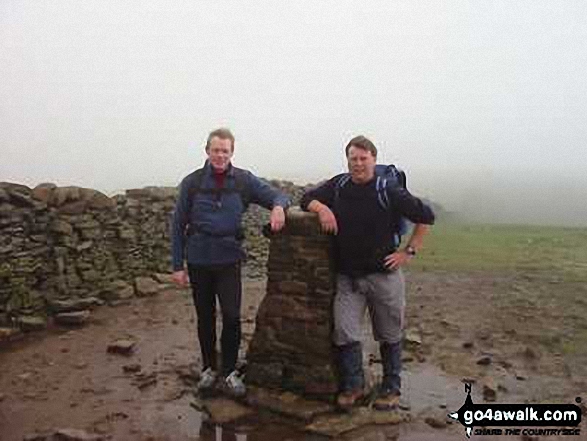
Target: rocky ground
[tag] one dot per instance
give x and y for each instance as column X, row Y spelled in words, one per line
column 128, row 373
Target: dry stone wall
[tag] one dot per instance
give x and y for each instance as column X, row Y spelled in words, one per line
column 63, row 249
column 58, row 244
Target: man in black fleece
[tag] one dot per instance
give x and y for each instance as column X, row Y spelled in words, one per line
column 368, row 263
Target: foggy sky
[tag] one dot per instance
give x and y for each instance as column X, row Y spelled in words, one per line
column 483, row 103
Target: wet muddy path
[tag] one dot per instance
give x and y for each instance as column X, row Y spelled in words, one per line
column 68, row 379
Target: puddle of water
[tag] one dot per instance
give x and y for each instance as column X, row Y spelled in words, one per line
column 425, row 388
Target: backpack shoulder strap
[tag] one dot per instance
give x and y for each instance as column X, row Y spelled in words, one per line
column 339, row 182
column 197, row 179
column 399, row 175
column 241, row 185
column 381, row 187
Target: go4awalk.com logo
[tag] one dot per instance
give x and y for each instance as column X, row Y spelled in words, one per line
column 537, row 419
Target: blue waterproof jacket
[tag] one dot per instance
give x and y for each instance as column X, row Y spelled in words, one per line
column 206, row 229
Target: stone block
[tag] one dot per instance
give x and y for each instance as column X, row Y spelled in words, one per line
column 77, row 318
column 61, row 227
column 146, row 286
column 32, row 323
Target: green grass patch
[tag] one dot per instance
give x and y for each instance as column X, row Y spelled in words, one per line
column 556, row 251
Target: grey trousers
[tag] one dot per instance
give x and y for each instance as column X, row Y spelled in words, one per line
column 382, row 293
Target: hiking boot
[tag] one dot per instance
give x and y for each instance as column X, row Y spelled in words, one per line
column 207, row 379
column 349, row 398
column 234, row 385
column 387, row 399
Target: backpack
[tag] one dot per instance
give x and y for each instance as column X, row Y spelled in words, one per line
column 240, row 187
column 387, row 175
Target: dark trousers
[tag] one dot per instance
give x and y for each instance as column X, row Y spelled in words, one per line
column 222, row 282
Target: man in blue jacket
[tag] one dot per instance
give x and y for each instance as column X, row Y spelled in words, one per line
column 368, row 261
column 207, row 232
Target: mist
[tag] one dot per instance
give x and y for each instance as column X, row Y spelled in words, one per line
column 481, row 103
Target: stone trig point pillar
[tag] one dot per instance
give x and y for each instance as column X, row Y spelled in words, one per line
column 291, row 348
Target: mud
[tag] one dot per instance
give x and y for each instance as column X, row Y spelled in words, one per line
column 67, row 378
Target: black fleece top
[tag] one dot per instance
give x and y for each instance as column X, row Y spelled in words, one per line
column 365, row 228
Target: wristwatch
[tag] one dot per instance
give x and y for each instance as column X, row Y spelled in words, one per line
column 410, row 250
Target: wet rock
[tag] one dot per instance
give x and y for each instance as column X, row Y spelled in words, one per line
column 188, row 374
column 333, row 425
column 131, row 368
column 286, row 403
column 32, row 323
column 74, row 304
column 436, row 422
column 8, row 333
column 77, row 318
column 505, row 364
column 198, row 405
column 485, row 360
column 145, row 286
column 122, row 346
column 223, row 410
column 173, row 395
column 144, row 380
column 412, row 339
column 75, row 435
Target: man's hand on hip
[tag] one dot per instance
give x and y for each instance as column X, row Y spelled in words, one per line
column 181, row 277
column 277, row 218
column 397, row 259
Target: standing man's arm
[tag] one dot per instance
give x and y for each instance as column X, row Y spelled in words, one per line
column 417, row 212
column 267, row 197
column 319, row 200
column 178, row 237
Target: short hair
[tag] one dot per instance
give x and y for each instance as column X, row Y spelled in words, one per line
column 222, row 133
column 362, row 143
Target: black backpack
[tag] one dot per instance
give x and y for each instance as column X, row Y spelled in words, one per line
column 240, row 187
column 385, row 175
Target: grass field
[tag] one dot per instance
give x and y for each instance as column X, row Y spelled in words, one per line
column 538, row 293
column 554, row 252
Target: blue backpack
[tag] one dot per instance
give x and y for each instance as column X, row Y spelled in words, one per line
column 387, row 175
